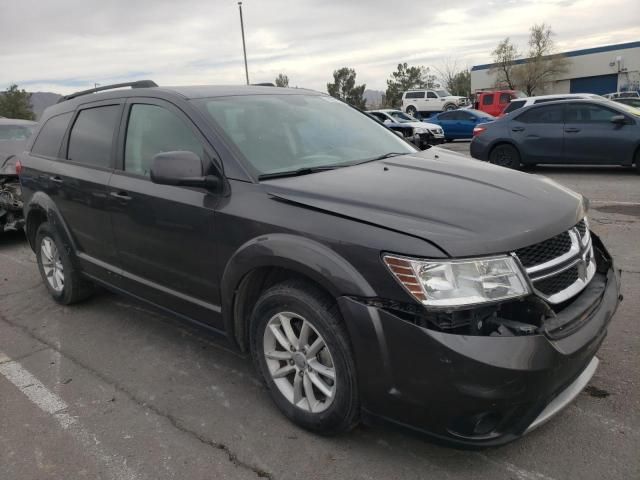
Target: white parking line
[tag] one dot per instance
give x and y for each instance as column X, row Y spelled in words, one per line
column 49, row 402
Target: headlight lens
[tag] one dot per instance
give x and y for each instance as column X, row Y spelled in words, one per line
column 460, row 282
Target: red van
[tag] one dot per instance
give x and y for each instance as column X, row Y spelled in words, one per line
column 494, row 102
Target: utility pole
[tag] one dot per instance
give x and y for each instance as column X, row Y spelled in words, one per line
column 244, row 47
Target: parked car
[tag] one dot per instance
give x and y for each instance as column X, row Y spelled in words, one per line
column 460, row 123
column 436, row 100
column 631, row 101
column 495, row 101
column 400, row 129
column 366, row 279
column 526, row 101
column 616, row 95
column 14, row 134
column 424, row 133
column 562, row 132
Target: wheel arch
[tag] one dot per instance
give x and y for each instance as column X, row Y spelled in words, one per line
column 267, row 260
column 503, row 141
column 41, row 208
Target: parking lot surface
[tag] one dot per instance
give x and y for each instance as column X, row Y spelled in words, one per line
column 113, row 389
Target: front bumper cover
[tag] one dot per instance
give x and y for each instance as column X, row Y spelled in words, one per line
column 474, row 390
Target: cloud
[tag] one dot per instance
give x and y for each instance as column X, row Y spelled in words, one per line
column 70, row 44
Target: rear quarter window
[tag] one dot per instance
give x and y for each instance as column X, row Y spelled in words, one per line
column 50, row 137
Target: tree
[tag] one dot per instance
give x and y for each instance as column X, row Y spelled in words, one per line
column 406, row 78
column 504, row 57
column 15, row 103
column 344, row 88
column 543, row 66
column 456, row 80
column 282, row 80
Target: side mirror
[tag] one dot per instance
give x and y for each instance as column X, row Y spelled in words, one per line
column 618, row 119
column 181, row 168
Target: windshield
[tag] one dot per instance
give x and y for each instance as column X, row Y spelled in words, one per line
column 282, row 133
column 401, row 117
column 443, row 93
column 15, row 132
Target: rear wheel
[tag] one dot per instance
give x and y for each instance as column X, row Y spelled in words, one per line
column 300, row 347
column 505, row 155
column 61, row 278
column 411, row 110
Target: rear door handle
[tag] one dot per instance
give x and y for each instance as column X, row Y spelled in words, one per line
column 122, row 196
column 517, row 129
column 572, row 130
column 56, row 179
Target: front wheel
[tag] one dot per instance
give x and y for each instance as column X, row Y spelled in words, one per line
column 505, row 155
column 301, row 349
column 411, row 110
column 449, row 107
column 60, row 276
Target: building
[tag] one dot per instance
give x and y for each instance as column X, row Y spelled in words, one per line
column 600, row 70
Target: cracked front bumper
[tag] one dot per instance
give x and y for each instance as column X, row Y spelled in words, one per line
column 474, row 390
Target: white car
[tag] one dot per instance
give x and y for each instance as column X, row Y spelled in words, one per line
column 613, row 96
column 424, row 133
column 518, row 103
column 431, row 100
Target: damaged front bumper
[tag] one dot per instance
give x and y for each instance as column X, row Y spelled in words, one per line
column 472, row 389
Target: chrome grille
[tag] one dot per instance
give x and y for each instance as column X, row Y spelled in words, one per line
column 544, row 251
column 560, row 267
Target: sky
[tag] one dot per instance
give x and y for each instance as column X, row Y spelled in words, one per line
column 67, row 45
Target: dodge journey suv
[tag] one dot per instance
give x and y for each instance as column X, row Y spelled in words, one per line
column 366, row 279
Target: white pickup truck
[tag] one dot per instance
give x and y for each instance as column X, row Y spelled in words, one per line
column 431, row 100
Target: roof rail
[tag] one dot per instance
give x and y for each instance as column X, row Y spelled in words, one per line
column 136, row 84
column 263, row 84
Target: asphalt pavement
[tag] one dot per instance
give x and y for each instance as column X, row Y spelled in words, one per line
column 112, row 389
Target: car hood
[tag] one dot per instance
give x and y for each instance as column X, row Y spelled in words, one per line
column 464, row 206
column 421, row 124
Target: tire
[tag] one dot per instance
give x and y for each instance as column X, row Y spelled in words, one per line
column 505, row 155
column 295, row 303
column 63, row 281
column 450, row 106
column 411, row 110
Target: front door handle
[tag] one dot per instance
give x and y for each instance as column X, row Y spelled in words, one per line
column 572, row 130
column 517, row 129
column 56, row 179
column 122, row 196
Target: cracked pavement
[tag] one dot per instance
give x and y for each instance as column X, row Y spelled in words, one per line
column 141, row 395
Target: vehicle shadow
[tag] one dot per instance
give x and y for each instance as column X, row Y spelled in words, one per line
column 12, row 238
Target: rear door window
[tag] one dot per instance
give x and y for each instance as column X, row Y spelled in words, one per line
column 514, row 105
column 547, row 114
column 447, row 116
column 50, row 137
column 151, row 130
column 487, row 99
column 92, row 135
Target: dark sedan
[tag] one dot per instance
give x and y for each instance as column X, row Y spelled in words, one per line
column 460, row 123
column 580, row 132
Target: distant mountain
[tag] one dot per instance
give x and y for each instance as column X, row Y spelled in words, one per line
column 41, row 100
column 373, row 98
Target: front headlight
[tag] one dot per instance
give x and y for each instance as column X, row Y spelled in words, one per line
column 459, row 283
column 417, row 130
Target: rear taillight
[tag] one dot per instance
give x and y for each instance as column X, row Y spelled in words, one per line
column 18, row 167
column 478, row 130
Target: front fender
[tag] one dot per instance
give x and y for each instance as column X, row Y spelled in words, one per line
column 300, row 254
column 41, row 204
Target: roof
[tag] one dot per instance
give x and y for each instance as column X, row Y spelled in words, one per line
column 208, row 91
column 573, row 53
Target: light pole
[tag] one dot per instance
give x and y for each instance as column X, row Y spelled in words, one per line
column 244, row 47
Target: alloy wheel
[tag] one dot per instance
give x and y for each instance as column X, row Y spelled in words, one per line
column 52, row 264
column 299, row 362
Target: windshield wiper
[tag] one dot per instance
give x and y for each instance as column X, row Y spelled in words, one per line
column 381, row 157
column 298, row 172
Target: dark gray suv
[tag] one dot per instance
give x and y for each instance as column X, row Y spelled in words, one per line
column 367, row 280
